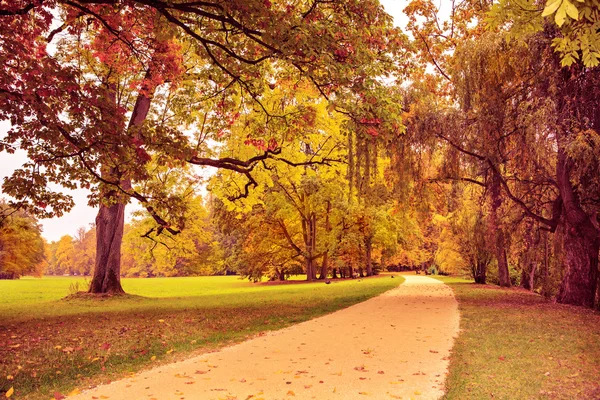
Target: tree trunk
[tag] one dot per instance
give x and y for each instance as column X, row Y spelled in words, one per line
column 500, row 245
column 109, row 236
column 368, row 256
column 110, row 221
column 480, row 273
column 334, row 274
column 581, row 244
column 324, row 266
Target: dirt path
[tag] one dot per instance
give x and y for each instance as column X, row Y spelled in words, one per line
column 393, row 346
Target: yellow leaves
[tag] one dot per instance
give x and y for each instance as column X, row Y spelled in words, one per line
column 562, row 8
column 152, row 358
column 170, row 351
column 74, row 392
column 10, row 392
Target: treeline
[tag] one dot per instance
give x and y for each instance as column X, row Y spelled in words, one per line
column 22, row 248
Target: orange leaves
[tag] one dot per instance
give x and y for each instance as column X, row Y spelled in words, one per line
column 10, row 392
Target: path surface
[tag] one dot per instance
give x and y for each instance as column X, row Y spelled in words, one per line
column 394, row 346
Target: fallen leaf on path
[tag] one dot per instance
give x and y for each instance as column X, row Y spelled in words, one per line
column 361, row 368
column 10, row 392
column 291, row 393
column 433, row 351
column 396, row 382
column 364, row 393
column 74, row 392
column 380, row 372
column 201, row 372
column 417, row 393
column 307, row 386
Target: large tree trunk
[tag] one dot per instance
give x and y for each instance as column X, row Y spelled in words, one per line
column 500, row 245
column 581, row 244
column 109, row 236
column 111, row 220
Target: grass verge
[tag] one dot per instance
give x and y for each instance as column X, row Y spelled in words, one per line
column 514, row 344
column 50, row 345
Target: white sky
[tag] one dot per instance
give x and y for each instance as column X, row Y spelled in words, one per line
column 82, row 215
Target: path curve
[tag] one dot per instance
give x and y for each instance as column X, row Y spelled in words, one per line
column 394, row 346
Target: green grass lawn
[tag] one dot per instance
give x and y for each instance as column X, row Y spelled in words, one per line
column 515, row 345
column 49, row 344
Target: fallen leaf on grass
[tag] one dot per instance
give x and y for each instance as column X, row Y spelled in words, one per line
column 14, row 346
column 58, row 396
column 68, row 349
column 152, row 358
column 10, row 377
column 501, row 358
column 74, row 392
column 170, row 351
column 10, row 392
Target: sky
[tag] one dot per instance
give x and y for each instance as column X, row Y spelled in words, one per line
column 82, row 215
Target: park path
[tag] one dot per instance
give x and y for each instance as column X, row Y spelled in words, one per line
column 394, row 346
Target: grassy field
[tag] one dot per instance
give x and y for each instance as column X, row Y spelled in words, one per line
column 516, row 345
column 51, row 345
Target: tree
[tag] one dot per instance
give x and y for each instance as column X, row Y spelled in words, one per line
column 110, row 99
column 22, row 249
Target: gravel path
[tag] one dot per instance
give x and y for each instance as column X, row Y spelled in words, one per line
column 394, row 346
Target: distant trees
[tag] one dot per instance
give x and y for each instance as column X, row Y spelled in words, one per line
column 22, row 248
